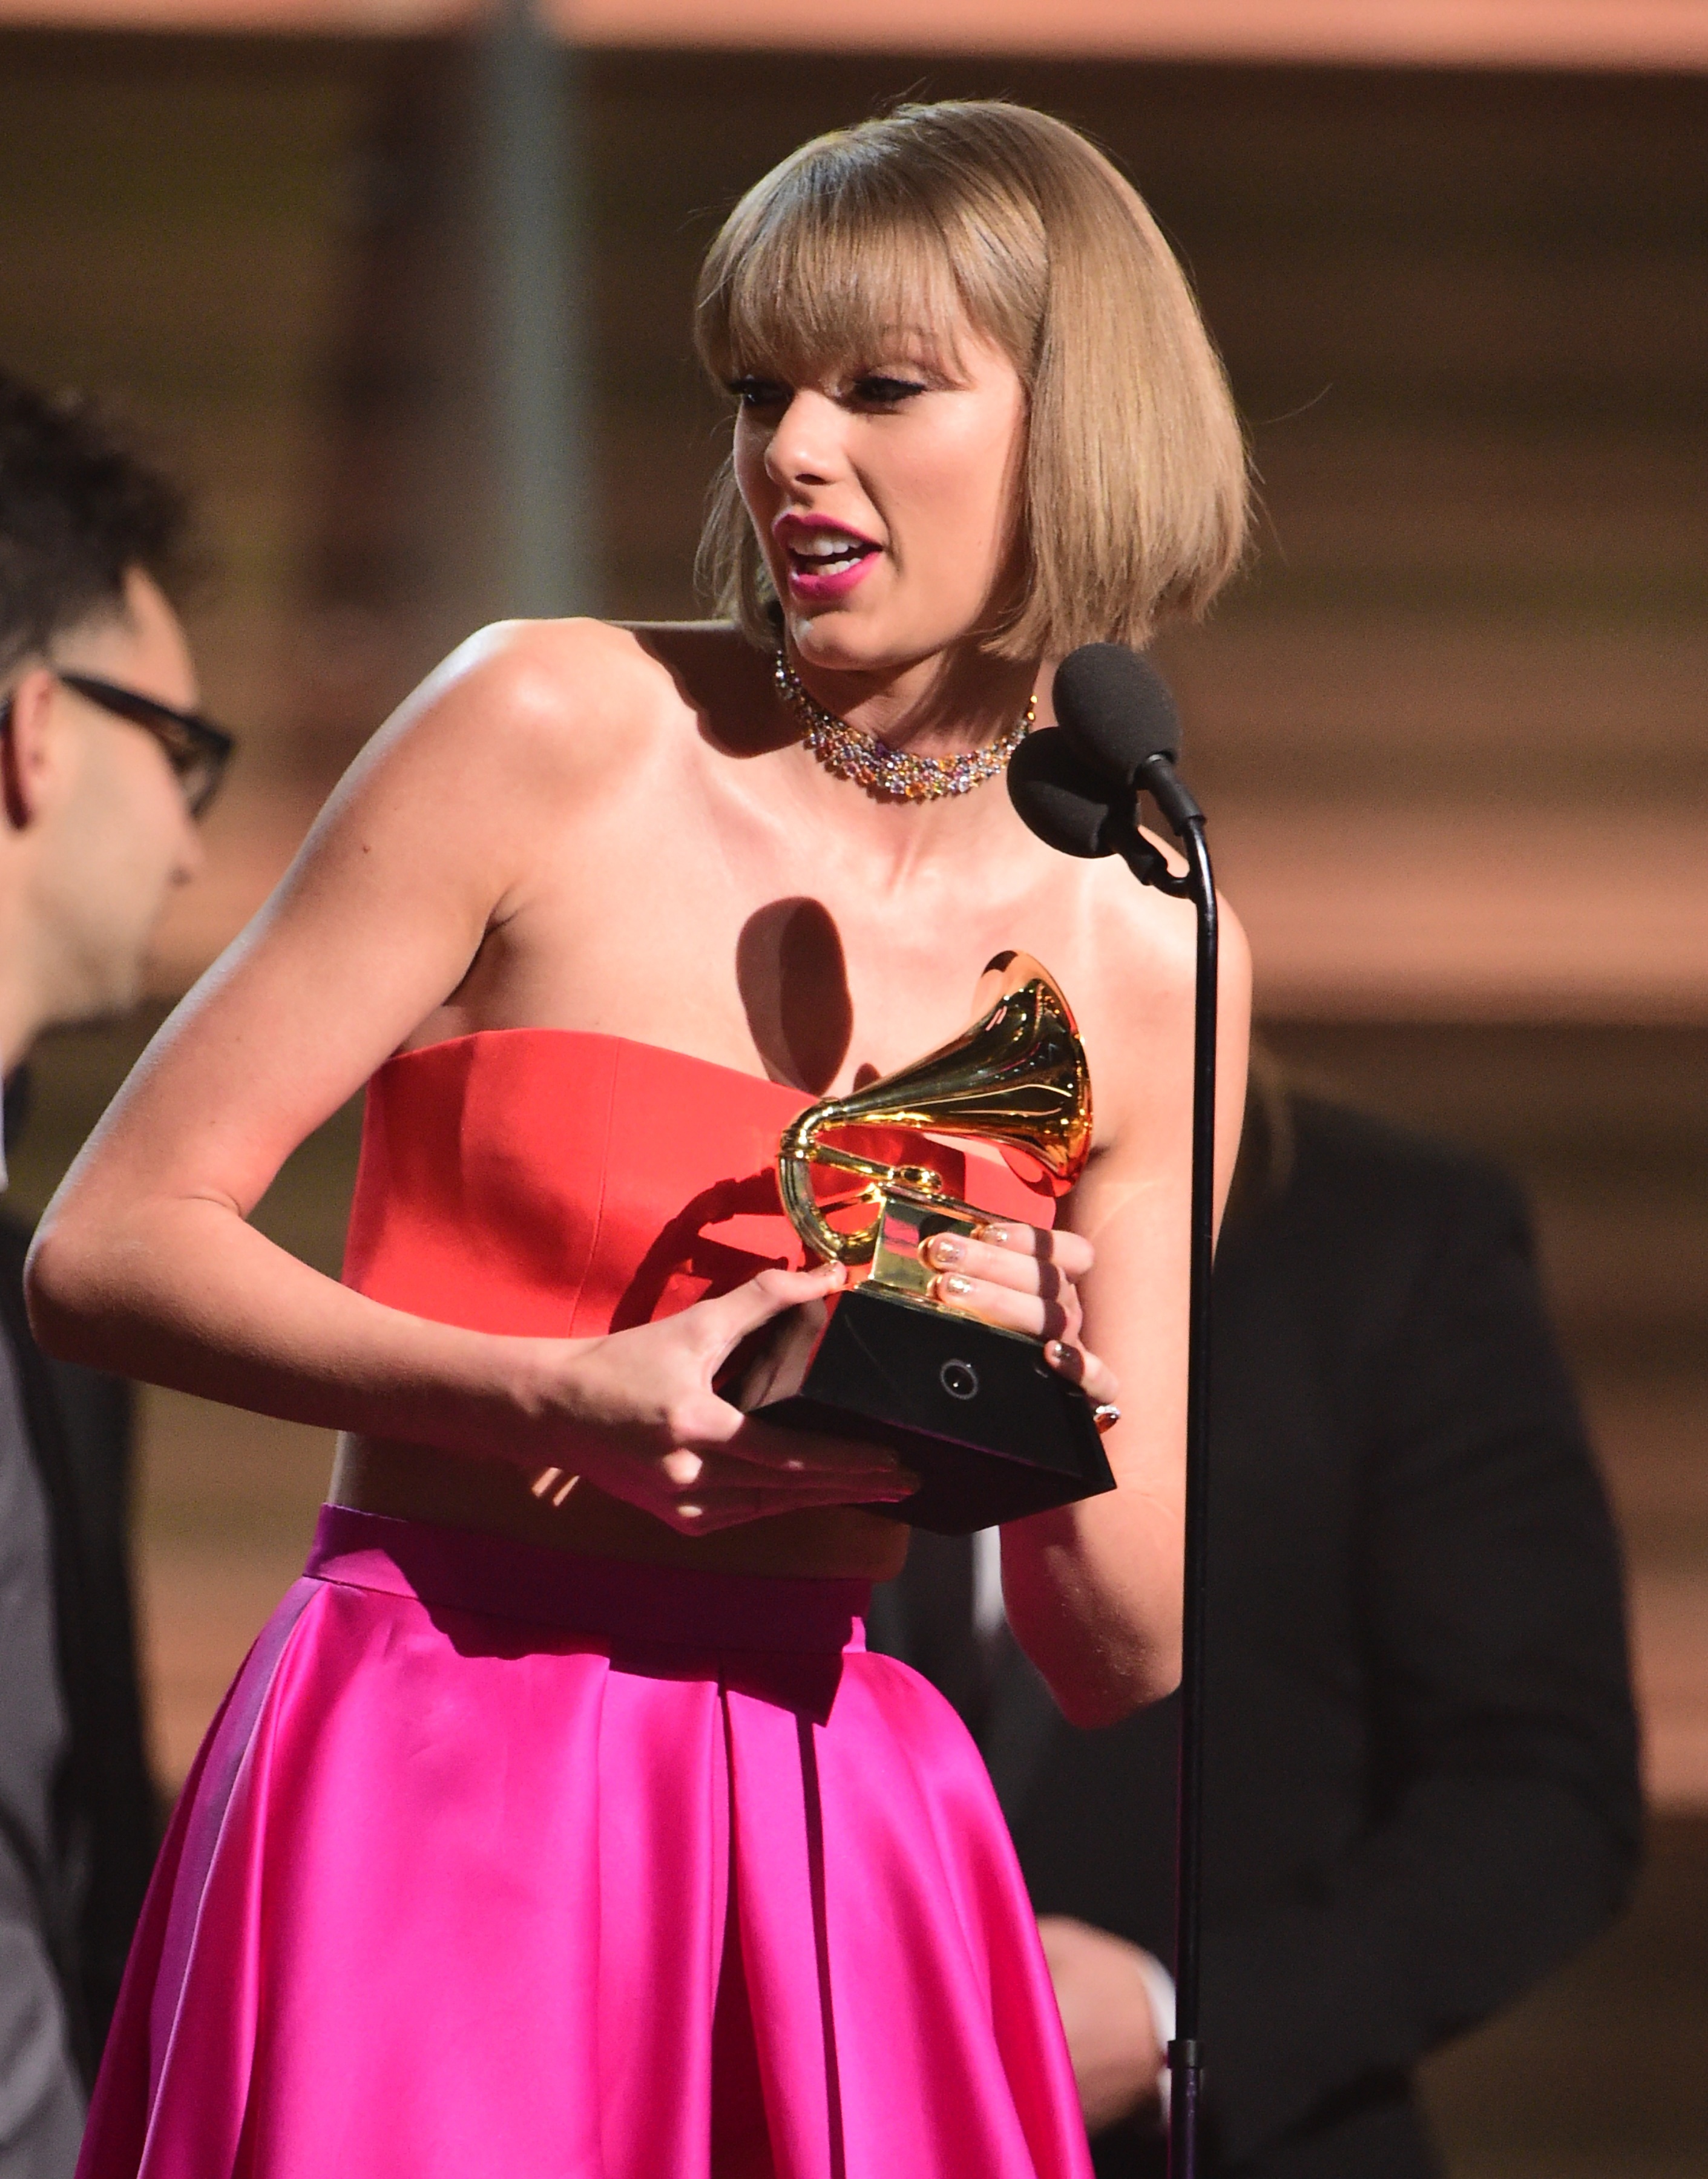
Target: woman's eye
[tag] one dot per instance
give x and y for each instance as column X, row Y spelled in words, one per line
column 880, row 392
column 758, row 392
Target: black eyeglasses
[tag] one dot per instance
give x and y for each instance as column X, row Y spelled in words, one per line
column 197, row 750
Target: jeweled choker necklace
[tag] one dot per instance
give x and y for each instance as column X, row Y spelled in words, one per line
column 899, row 775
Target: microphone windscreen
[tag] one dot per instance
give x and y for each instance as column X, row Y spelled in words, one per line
column 1068, row 805
column 1116, row 709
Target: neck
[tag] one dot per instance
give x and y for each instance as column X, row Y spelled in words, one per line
column 22, row 1015
column 951, row 701
column 21, row 1021
column 891, row 836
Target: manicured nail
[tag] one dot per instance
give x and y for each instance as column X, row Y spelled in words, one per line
column 953, row 1287
column 998, row 1235
column 944, row 1249
column 1057, row 1352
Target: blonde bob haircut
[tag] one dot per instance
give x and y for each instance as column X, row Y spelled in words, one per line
column 978, row 212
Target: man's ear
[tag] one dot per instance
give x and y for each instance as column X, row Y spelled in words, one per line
column 25, row 752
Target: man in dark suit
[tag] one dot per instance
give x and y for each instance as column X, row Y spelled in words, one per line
column 102, row 766
column 1421, row 1787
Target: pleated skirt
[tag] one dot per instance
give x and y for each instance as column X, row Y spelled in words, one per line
column 501, row 1863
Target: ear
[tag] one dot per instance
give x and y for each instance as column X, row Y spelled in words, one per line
column 25, row 751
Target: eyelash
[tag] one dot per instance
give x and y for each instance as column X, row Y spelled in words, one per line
column 878, row 390
column 896, row 390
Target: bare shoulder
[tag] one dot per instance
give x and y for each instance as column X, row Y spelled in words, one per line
column 718, row 675
column 1143, row 948
column 528, row 729
column 1146, row 942
column 562, row 697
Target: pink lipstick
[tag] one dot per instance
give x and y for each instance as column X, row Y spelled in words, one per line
column 825, row 560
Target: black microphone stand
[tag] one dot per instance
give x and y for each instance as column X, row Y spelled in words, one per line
column 1196, row 883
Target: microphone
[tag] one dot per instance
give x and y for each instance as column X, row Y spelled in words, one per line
column 1076, row 785
column 1069, row 805
column 1076, row 809
column 1117, row 711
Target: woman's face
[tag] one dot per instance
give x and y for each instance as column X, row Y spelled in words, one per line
column 884, row 496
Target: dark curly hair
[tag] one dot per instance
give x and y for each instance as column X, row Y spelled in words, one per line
column 80, row 506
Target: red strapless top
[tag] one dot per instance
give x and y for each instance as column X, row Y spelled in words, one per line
column 559, row 1183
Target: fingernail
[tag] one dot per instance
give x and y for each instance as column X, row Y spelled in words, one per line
column 1056, row 1351
column 945, row 1249
column 953, row 1287
column 998, row 1235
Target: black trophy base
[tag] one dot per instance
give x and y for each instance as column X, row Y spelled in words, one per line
column 995, row 1433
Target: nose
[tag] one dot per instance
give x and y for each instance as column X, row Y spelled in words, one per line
column 805, row 447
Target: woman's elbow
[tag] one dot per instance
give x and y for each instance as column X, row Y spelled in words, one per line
column 63, row 1290
column 1092, row 1692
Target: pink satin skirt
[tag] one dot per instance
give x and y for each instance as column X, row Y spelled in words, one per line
column 499, row 1864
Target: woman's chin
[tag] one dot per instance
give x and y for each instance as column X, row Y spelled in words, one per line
column 834, row 641
column 849, row 643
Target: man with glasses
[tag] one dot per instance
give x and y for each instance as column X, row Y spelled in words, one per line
column 104, row 766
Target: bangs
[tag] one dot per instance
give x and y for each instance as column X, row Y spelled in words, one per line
column 935, row 221
column 837, row 257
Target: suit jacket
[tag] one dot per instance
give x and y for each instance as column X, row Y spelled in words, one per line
column 106, row 1812
column 1421, row 1778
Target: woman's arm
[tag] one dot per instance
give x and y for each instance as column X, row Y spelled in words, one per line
column 146, row 1263
column 1093, row 1590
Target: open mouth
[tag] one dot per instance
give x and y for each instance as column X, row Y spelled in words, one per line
column 827, row 552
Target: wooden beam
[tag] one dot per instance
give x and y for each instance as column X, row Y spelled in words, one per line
column 1662, row 35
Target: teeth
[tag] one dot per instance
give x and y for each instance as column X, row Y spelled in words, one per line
column 825, row 547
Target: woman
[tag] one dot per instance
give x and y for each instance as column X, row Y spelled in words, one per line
column 558, row 1822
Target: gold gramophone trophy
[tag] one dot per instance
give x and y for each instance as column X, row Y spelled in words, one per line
column 992, row 1431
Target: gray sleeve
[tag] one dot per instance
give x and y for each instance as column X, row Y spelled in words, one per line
column 41, row 2100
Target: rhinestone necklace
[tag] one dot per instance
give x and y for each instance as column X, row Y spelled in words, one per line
column 897, row 775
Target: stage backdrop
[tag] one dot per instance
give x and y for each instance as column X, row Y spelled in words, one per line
column 1449, row 725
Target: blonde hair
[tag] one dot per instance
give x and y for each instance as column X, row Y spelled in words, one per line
column 1133, row 496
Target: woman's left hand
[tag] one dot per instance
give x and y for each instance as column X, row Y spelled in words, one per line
column 1026, row 1280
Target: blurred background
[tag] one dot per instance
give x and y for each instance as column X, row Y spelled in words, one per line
column 397, row 289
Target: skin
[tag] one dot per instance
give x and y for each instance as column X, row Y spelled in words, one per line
column 95, row 834
column 631, row 807
column 1107, row 2018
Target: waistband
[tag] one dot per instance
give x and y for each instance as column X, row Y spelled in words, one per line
column 691, row 1607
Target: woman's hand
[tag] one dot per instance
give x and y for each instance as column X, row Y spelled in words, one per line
column 1114, row 2038
column 641, row 1420
column 1024, row 1279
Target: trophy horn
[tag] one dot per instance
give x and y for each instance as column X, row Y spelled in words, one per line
column 1017, row 1079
